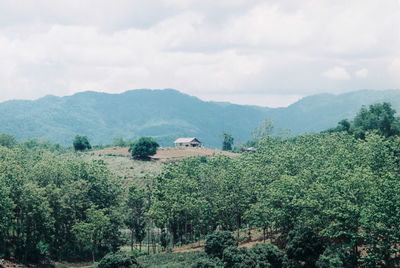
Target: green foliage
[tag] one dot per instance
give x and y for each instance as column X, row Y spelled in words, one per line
column 118, row 260
column 261, row 255
column 56, row 206
column 164, row 240
column 144, row 147
column 227, row 141
column 217, row 242
column 268, row 255
column 378, row 117
column 7, row 140
column 237, row 257
column 304, row 245
column 81, row 143
column 204, row 263
column 333, row 257
column 176, row 259
column 135, row 214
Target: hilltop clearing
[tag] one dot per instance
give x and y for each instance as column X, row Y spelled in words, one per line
column 120, row 162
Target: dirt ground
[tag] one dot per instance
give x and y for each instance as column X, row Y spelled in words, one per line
column 167, row 153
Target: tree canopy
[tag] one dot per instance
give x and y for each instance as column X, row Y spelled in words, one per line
column 81, row 143
column 227, row 141
column 379, row 117
column 144, row 147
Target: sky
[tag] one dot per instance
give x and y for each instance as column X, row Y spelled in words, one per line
column 268, row 53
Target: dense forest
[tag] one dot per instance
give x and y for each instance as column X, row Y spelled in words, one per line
column 321, row 200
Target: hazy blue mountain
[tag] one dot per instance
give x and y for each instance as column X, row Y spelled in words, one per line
column 169, row 114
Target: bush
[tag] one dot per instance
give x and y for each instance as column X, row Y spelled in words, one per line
column 144, row 147
column 333, row 257
column 81, row 143
column 217, row 242
column 304, row 245
column 204, row 263
column 237, row 257
column 268, row 255
column 118, row 260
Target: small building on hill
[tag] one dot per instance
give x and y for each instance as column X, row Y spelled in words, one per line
column 187, row 142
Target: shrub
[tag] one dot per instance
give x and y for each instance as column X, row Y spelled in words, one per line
column 217, row 242
column 268, row 255
column 204, row 263
column 118, row 260
column 333, row 257
column 237, row 257
column 304, row 245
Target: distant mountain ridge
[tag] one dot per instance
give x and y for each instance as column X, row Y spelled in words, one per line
column 168, row 114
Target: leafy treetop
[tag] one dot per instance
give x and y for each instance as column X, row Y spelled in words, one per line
column 144, row 147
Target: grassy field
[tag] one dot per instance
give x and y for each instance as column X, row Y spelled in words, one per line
column 120, row 162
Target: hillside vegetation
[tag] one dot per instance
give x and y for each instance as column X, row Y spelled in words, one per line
column 317, row 200
column 169, row 114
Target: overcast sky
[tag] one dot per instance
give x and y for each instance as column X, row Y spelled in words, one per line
column 268, row 53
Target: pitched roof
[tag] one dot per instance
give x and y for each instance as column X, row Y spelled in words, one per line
column 183, row 140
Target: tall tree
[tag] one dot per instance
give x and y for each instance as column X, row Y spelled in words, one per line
column 227, row 141
column 135, row 217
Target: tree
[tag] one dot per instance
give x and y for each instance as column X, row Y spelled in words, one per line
column 92, row 231
column 81, row 143
column 378, row 117
column 217, row 242
column 7, row 140
column 227, row 141
column 144, row 147
column 135, row 215
column 262, row 131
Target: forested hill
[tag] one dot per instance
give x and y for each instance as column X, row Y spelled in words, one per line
column 168, row 114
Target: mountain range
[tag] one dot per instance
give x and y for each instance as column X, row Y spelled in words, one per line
column 168, row 114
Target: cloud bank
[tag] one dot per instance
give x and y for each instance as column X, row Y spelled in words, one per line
column 267, row 53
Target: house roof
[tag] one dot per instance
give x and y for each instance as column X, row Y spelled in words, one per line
column 183, row 140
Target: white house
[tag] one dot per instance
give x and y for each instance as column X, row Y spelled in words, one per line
column 187, row 142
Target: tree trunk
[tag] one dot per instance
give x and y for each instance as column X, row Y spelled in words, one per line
column 264, row 234
column 131, row 240
column 148, row 240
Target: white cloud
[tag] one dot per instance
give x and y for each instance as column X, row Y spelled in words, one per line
column 214, row 49
column 362, row 73
column 267, row 25
column 337, row 73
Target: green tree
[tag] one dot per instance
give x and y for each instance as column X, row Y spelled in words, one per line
column 380, row 117
column 217, row 242
column 135, row 217
column 92, row 231
column 7, row 140
column 81, row 143
column 6, row 209
column 144, row 147
column 227, row 141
